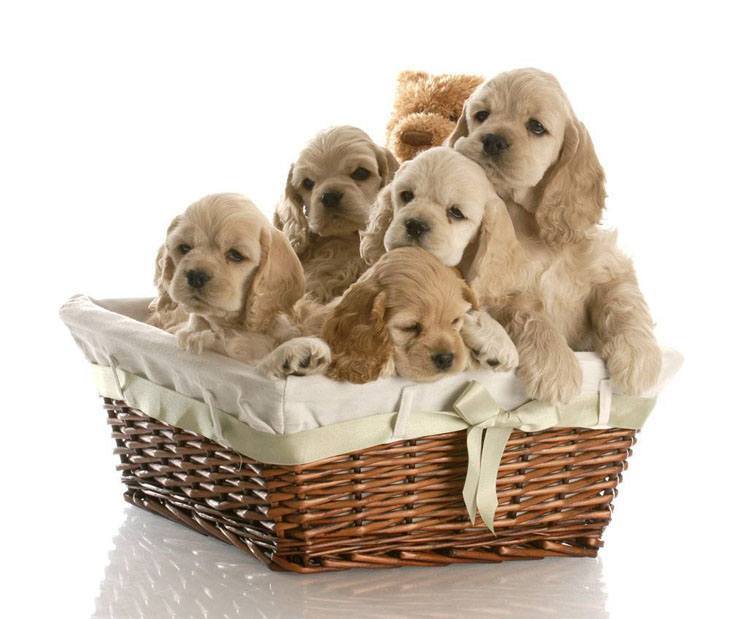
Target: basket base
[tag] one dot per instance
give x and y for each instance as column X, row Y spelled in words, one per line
column 389, row 506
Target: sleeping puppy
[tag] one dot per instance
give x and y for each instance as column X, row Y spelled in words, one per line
column 566, row 284
column 327, row 200
column 407, row 316
column 235, row 278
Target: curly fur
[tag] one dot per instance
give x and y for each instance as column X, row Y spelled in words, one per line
column 371, row 329
column 326, row 239
column 425, row 110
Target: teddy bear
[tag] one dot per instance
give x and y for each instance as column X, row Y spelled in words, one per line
column 426, row 110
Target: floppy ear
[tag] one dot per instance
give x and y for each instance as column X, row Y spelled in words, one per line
column 572, row 193
column 372, row 244
column 498, row 255
column 277, row 284
column 164, row 270
column 460, row 131
column 357, row 334
column 387, row 165
column 470, row 296
column 289, row 216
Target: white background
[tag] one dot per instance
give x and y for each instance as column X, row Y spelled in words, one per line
column 116, row 115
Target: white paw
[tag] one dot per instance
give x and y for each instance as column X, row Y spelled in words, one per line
column 195, row 341
column 302, row 356
column 489, row 343
column 634, row 365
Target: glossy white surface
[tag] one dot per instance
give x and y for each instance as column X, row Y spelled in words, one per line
column 159, row 569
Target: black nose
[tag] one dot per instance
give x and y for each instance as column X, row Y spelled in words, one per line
column 494, row 144
column 443, row 360
column 197, row 279
column 416, row 228
column 331, row 198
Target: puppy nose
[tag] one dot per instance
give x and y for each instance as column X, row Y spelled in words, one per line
column 443, row 360
column 416, row 228
column 197, row 279
column 494, row 144
column 331, row 198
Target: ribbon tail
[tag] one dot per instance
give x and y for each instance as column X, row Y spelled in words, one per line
column 471, row 483
column 495, row 441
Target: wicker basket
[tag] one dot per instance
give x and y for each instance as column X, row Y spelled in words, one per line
column 387, row 506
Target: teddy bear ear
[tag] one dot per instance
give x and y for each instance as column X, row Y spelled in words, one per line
column 406, row 77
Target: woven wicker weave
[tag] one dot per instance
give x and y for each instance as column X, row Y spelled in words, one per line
column 386, row 506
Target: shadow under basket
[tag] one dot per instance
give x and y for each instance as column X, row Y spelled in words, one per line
column 386, row 506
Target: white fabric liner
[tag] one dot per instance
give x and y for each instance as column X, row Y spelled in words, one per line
column 111, row 333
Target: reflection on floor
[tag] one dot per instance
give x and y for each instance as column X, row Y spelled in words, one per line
column 161, row 569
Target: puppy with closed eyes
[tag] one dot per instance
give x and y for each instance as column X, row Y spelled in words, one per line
column 406, row 316
column 565, row 284
column 235, row 279
column 329, row 192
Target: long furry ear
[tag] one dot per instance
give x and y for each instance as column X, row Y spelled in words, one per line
column 372, row 244
column 497, row 257
column 571, row 195
column 460, row 131
column 164, row 270
column 289, row 216
column 470, row 296
column 277, row 284
column 387, row 165
column 357, row 334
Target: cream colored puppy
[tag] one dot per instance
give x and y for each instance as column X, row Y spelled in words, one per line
column 552, row 277
column 327, row 201
column 236, row 279
column 441, row 202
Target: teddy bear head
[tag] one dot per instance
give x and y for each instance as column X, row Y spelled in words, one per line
column 426, row 110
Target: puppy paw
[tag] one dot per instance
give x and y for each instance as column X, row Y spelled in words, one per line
column 195, row 341
column 554, row 376
column 633, row 364
column 489, row 343
column 302, row 356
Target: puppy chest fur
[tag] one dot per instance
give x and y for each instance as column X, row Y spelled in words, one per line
column 330, row 266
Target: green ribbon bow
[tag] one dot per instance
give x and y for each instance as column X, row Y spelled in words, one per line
column 490, row 428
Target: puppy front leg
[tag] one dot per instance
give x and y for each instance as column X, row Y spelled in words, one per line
column 489, row 343
column 624, row 334
column 548, row 367
column 196, row 335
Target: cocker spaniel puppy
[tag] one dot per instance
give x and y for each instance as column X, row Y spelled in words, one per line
column 407, row 316
column 563, row 283
column 327, row 201
column 234, row 278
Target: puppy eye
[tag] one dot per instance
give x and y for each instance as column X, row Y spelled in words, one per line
column 481, row 116
column 536, row 127
column 415, row 328
column 455, row 213
column 234, row 256
column 361, row 174
column 183, row 248
column 406, row 196
column 455, row 321
column 308, row 184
